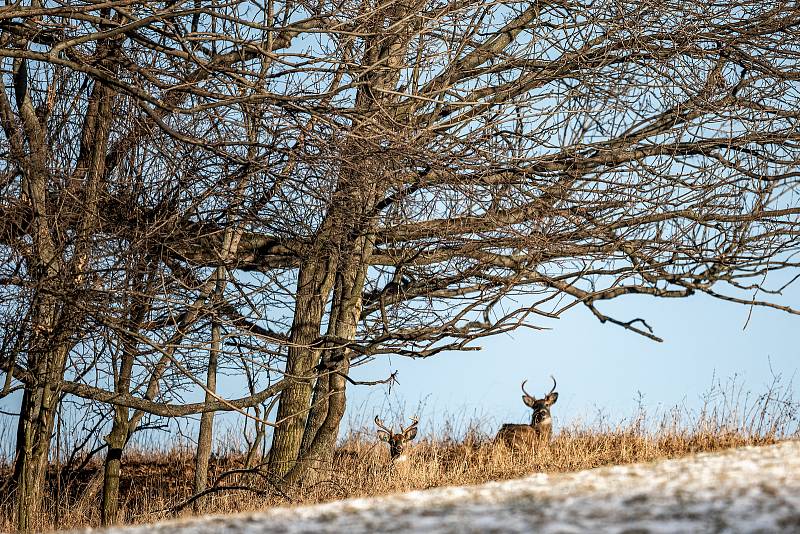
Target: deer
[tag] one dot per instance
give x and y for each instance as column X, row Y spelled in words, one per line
column 540, row 428
column 397, row 442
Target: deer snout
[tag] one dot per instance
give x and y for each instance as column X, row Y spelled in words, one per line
column 542, row 419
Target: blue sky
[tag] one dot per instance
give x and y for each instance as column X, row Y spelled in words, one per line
column 599, row 368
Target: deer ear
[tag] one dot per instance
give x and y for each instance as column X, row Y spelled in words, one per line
column 528, row 400
column 383, row 435
column 411, row 433
column 551, row 398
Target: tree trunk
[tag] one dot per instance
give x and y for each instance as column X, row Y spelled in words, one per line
column 329, row 407
column 204, row 438
column 313, row 286
column 37, row 419
column 56, row 317
column 345, row 236
column 123, row 426
column 44, row 357
column 320, row 451
column 113, row 466
column 24, row 478
column 319, row 410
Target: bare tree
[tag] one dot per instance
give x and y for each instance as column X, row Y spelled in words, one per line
column 402, row 176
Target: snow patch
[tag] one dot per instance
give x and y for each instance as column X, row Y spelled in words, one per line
column 752, row 489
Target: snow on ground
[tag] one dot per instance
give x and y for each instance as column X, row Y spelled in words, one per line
column 753, row 489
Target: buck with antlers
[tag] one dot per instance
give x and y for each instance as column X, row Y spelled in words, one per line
column 397, row 442
column 541, row 426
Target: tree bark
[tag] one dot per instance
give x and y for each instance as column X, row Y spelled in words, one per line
column 313, row 286
column 46, row 356
column 112, row 470
column 318, row 412
column 340, row 238
column 205, row 435
column 56, row 316
column 329, row 411
column 37, row 421
column 122, row 427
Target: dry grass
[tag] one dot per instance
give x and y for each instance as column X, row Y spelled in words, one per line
column 155, row 483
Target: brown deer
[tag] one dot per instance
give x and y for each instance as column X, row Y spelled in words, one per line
column 397, row 442
column 541, row 426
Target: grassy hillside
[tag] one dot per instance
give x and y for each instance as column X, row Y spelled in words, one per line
column 157, row 483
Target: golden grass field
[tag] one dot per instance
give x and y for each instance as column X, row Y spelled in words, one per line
column 156, row 483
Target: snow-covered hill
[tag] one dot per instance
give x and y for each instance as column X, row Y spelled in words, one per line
column 754, row 489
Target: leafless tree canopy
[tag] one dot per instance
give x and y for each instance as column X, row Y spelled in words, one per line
column 280, row 190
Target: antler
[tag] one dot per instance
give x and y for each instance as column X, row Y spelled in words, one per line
column 554, row 385
column 381, row 426
column 414, row 421
column 525, row 392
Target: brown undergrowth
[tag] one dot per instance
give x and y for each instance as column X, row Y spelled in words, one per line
column 158, row 485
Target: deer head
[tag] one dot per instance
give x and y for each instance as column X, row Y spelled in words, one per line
column 397, row 442
column 540, row 418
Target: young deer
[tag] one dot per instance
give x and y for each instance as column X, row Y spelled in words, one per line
column 541, row 426
column 397, row 442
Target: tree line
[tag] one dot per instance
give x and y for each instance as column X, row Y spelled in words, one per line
column 278, row 191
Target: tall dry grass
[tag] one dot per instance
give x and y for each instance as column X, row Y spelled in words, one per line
column 157, row 482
